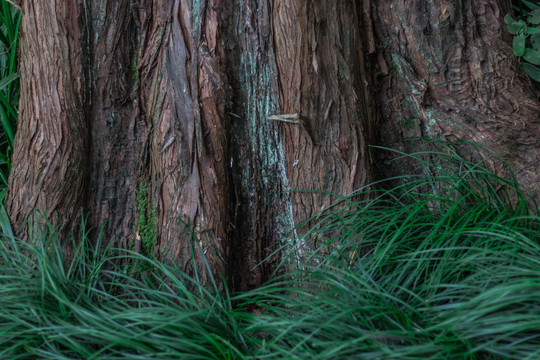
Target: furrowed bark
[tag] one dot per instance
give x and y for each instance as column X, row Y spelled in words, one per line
column 49, row 163
column 183, row 98
column 447, row 70
column 113, row 101
column 222, row 108
column 323, row 67
column 183, row 95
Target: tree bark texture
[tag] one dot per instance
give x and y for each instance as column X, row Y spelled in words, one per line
column 446, row 70
column 50, row 166
column 221, row 108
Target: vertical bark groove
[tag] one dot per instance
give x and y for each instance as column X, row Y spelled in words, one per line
column 116, row 137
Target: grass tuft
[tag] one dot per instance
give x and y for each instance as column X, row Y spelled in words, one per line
column 443, row 265
column 10, row 19
column 450, row 272
column 91, row 309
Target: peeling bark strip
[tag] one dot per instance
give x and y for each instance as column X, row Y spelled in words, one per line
column 448, row 70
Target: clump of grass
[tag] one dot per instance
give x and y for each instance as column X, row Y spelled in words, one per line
column 442, row 266
column 449, row 273
column 10, row 19
column 91, row 309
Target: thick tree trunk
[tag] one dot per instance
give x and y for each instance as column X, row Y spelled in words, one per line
column 189, row 99
column 203, row 115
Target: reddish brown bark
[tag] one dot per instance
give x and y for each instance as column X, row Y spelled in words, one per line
column 50, row 167
column 320, row 51
column 183, row 97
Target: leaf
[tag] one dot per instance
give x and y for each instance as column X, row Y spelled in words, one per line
column 531, row 70
column 4, row 218
column 530, row 5
column 532, row 30
column 535, row 41
column 532, row 56
column 6, row 126
column 534, row 17
column 513, row 26
column 518, row 44
column 8, row 80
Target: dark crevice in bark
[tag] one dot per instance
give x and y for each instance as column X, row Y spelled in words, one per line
column 255, row 157
column 88, row 66
column 115, row 144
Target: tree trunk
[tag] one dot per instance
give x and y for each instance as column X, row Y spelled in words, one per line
column 160, row 119
column 188, row 98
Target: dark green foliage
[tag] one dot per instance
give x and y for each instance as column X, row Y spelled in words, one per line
column 447, row 273
column 10, row 18
column 90, row 309
column 526, row 31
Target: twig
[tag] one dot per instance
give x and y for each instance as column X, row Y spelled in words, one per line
column 12, row 3
column 290, row 118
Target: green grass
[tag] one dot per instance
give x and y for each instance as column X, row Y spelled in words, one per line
column 91, row 309
column 10, row 19
column 451, row 272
